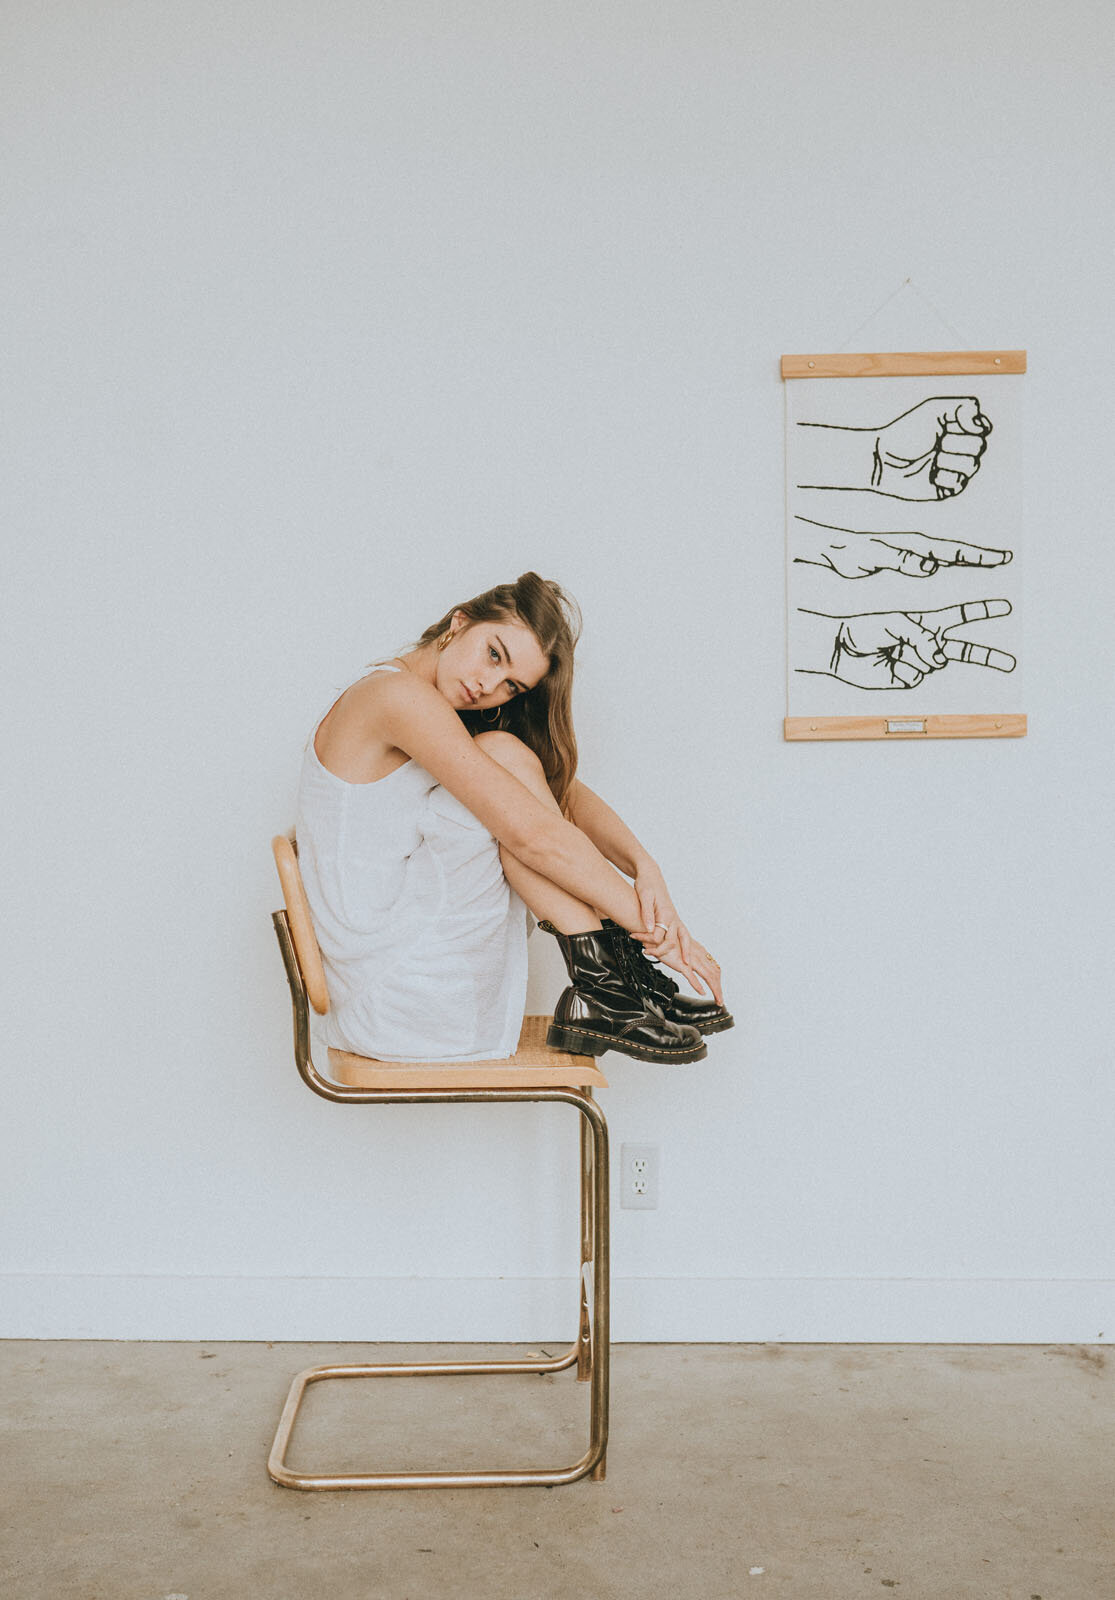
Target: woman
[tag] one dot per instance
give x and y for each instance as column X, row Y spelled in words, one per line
column 438, row 795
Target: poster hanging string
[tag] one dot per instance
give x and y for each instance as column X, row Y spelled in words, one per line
column 908, row 283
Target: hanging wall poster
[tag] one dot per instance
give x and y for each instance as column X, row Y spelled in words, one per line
column 904, row 545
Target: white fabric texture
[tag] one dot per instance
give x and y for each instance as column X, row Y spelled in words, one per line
column 422, row 938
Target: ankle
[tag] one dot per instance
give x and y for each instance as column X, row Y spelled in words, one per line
column 571, row 925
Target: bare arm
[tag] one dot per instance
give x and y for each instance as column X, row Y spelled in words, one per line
column 608, row 831
column 614, row 838
column 415, row 718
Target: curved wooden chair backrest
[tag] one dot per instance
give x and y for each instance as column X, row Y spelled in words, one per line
column 301, row 925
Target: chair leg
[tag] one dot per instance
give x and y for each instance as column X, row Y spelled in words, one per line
column 584, row 1335
column 595, row 1185
column 591, row 1349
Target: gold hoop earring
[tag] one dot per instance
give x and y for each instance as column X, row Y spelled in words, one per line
column 445, row 638
column 493, row 718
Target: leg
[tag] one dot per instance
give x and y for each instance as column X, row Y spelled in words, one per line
column 546, row 899
column 604, row 1007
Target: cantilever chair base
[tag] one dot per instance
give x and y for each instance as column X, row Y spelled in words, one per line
column 589, row 1353
column 534, row 1073
column 592, row 1463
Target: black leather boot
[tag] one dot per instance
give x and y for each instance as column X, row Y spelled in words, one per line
column 652, row 982
column 604, row 1010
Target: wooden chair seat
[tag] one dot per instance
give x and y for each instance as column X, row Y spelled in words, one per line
column 535, row 1065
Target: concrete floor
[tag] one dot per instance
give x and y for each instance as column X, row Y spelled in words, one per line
column 809, row 1472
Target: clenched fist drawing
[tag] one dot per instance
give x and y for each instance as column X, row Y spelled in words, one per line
column 930, row 452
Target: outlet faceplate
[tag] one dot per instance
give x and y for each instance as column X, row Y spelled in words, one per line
column 638, row 1176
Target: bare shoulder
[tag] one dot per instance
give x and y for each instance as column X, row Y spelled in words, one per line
column 357, row 706
column 368, row 692
column 358, row 739
column 389, row 717
column 394, row 698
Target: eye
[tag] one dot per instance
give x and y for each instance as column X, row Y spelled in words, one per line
column 493, row 652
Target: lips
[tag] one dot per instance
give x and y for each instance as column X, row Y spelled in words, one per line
column 469, row 696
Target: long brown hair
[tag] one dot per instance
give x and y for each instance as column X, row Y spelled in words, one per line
column 542, row 717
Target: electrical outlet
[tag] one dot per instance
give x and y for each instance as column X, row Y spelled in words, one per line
column 638, row 1176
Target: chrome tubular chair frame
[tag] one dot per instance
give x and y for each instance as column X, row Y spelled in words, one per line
column 589, row 1353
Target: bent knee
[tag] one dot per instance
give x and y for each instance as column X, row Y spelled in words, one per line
column 509, row 750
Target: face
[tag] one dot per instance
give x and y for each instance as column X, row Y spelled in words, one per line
column 488, row 663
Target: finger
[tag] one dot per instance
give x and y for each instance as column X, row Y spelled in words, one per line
column 916, row 566
column 685, row 944
column 905, row 674
column 695, row 972
column 974, row 555
column 918, row 645
column 979, row 655
column 966, row 446
column 952, row 466
column 706, row 966
column 646, row 909
column 934, row 553
column 948, row 483
column 713, row 989
column 977, row 610
column 670, row 956
column 967, row 416
column 947, row 617
column 953, row 461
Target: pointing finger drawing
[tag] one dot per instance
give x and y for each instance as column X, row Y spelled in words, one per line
column 857, row 554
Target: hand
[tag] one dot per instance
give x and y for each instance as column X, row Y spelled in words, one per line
column 931, row 451
column 700, row 971
column 855, row 554
column 668, row 940
column 897, row 649
column 657, row 908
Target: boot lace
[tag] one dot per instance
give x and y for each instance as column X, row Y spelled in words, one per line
column 642, row 973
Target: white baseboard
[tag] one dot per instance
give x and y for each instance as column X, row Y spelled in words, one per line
column 685, row 1310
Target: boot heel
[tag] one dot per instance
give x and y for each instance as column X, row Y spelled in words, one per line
column 577, row 1044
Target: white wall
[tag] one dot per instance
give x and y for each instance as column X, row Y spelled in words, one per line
column 325, row 315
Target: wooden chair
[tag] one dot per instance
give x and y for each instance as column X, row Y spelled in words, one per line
column 534, row 1072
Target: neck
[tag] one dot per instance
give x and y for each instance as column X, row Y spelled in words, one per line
column 422, row 662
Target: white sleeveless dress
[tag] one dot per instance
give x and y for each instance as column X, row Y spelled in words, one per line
column 422, row 938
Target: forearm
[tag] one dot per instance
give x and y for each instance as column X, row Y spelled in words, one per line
column 608, row 831
column 816, row 646
column 568, row 857
column 836, row 458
